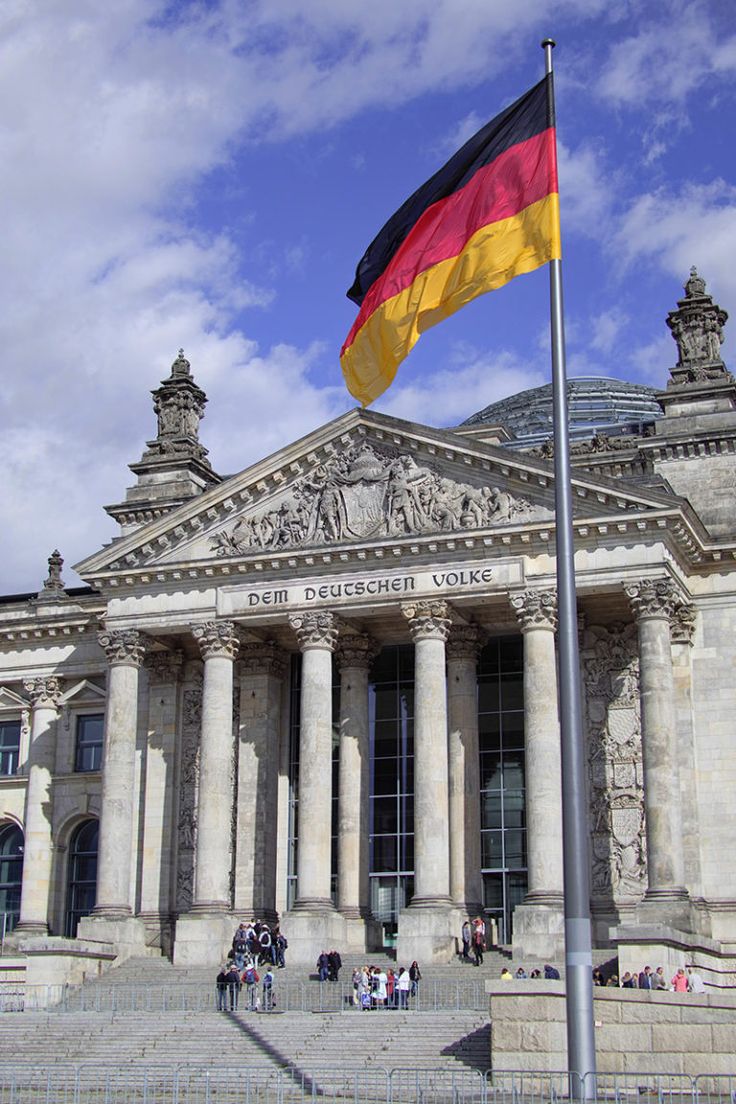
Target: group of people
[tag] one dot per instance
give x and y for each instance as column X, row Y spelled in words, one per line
column 231, row 981
column 374, row 987
column 256, row 942
column 681, row 982
column 473, row 937
column 551, row 973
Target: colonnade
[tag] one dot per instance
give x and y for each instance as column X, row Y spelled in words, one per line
column 447, row 865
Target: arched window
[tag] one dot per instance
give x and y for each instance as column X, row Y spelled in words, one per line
column 11, row 873
column 82, row 883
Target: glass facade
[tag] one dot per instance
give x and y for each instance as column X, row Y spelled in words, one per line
column 11, row 873
column 82, row 880
column 391, row 796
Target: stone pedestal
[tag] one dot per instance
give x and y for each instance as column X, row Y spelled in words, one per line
column 203, row 939
column 428, row 934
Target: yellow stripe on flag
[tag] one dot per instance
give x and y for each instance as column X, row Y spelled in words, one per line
column 492, row 257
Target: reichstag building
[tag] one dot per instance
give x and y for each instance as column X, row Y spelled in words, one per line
column 322, row 691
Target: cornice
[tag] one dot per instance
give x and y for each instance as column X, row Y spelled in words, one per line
column 58, row 630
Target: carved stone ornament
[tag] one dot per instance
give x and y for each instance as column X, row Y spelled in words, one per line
column 164, row 667
column 652, row 598
column 363, row 493
column 428, row 620
column 123, row 646
column 465, row 642
column 179, row 405
column 535, row 609
column 262, row 659
column 613, row 727
column 188, row 792
column 682, row 624
column 53, row 585
column 356, row 650
column 697, row 327
column 45, row 693
column 315, row 630
column 217, row 638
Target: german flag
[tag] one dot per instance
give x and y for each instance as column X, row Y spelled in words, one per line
column 490, row 214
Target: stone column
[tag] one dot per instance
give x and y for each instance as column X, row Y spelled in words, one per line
column 44, row 694
column 164, row 671
column 317, row 635
column 262, row 668
column 430, row 628
column 653, row 602
column 354, row 656
column 125, row 649
column 536, row 611
column 218, row 643
column 462, row 709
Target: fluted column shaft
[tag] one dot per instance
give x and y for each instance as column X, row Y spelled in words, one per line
column 653, row 602
column 317, row 635
column 164, row 669
column 34, row 900
column 462, row 714
column 125, row 649
column 430, row 627
column 262, row 668
column 537, row 615
column 218, row 643
column 354, row 657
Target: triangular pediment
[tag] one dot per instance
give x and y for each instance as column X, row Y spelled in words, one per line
column 361, row 479
column 10, row 702
column 84, row 692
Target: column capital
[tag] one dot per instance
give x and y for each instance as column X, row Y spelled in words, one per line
column 45, row 693
column 123, row 647
column 262, row 659
column 217, row 639
column 356, row 650
column 164, row 667
column 650, row 598
column 465, row 642
column 315, row 630
column 428, row 620
column 535, row 609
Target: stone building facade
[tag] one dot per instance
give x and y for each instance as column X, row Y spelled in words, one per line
column 323, row 691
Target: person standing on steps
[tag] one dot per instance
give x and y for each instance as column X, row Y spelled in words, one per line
column 479, row 940
column 466, row 936
column 221, row 988
column 233, row 986
column 415, row 976
column 268, row 1001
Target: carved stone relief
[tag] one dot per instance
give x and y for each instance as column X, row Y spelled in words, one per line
column 365, row 493
column 188, row 791
column 611, row 677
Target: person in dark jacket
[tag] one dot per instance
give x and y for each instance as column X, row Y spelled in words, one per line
column 335, row 965
column 221, row 988
column 323, row 966
column 551, row 973
column 233, row 985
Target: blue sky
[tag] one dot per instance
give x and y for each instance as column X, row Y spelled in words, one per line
column 208, row 175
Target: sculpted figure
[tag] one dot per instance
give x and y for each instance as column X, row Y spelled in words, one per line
column 502, row 505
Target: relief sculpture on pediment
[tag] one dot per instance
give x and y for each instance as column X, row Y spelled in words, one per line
column 363, row 494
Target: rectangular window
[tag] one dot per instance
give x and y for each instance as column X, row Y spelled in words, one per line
column 88, row 755
column 9, row 747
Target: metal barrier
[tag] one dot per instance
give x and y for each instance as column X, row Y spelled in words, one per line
column 38, row 1083
column 296, row 996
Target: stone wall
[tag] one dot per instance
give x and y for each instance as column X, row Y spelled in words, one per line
column 636, row 1032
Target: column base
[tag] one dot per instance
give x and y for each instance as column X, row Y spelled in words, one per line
column 429, row 931
column 31, row 927
column 667, row 906
column 539, row 928
column 209, row 908
column 203, row 938
column 313, row 904
column 112, row 912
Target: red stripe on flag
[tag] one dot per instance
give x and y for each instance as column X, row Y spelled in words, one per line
column 518, row 177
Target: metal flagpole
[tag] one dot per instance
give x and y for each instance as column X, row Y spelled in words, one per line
column 578, row 950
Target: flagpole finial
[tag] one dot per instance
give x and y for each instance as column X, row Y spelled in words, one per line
column 548, row 42
column 548, row 45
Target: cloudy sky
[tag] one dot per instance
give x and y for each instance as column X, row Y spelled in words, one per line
column 208, row 174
